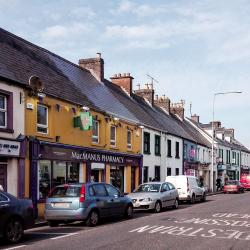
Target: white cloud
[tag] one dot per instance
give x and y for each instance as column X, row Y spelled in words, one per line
column 65, row 31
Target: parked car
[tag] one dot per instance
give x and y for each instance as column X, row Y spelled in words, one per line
column 189, row 188
column 86, row 202
column 233, row 187
column 245, row 181
column 16, row 215
column 155, row 196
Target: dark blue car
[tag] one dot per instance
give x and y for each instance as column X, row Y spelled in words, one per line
column 16, row 215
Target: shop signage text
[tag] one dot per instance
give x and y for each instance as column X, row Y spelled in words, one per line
column 9, row 148
column 98, row 157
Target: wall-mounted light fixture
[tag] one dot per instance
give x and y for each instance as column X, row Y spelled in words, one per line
column 85, row 108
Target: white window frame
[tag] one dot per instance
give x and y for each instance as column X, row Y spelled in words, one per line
column 42, row 125
column 129, row 145
column 98, row 130
column 112, row 142
column 5, row 110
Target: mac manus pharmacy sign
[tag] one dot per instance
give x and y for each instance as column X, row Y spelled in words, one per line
column 83, row 155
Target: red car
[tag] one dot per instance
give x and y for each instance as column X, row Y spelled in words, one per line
column 245, row 180
column 233, row 187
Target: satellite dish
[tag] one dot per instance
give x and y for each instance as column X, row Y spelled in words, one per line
column 36, row 84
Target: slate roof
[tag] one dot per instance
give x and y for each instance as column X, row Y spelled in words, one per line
column 20, row 59
column 235, row 144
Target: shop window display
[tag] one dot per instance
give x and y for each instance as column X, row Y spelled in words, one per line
column 53, row 173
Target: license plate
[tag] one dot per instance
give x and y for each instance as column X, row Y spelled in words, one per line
column 61, row 205
column 136, row 204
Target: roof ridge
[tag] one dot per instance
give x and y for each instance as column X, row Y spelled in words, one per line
column 41, row 48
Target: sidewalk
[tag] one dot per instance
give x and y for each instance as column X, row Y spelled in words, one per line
column 214, row 193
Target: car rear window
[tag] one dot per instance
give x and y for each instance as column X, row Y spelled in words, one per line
column 231, row 183
column 65, row 191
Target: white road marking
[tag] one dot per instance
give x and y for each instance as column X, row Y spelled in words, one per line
column 63, row 236
column 17, row 247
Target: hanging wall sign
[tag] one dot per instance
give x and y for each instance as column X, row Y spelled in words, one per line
column 84, row 121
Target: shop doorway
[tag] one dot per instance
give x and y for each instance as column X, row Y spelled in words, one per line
column 3, row 176
column 117, row 177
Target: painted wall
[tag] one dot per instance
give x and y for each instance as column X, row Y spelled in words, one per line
column 18, row 128
column 61, row 124
column 18, row 110
column 151, row 160
column 174, row 162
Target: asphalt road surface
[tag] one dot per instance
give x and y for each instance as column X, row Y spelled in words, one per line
column 223, row 222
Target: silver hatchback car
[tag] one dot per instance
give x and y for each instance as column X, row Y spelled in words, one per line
column 86, row 202
column 155, row 196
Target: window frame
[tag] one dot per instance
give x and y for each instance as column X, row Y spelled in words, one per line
column 158, row 146
column 113, row 142
column 5, row 111
column 177, row 152
column 9, row 111
column 129, row 145
column 169, row 145
column 47, row 119
column 146, row 135
column 98, row 132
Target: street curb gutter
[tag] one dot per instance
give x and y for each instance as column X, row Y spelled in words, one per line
column 211, row 194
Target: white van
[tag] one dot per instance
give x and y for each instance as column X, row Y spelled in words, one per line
column 189, row 188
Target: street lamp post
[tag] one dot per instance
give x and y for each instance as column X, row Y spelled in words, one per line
column 212, row 166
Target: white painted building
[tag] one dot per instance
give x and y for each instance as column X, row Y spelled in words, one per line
column 11, row 126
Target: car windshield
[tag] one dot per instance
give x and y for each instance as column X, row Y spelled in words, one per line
column 149, row 188
column 231, row 183
column 65, row 191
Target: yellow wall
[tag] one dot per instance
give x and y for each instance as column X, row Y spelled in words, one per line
column 61, row 124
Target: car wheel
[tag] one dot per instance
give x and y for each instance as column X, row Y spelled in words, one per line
column 192, row 199
column 158, row 207
column 14, row 230
column 129, row 212
column 93, row 219
column 176, row 204
column 204, row 197
column 53, row 223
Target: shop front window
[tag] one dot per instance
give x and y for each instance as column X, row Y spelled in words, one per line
column 117, row 177
column 44, row 179
column 54, row 173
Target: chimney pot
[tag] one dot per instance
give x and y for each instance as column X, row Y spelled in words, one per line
column 123, row 81
column 128, row 74
column 98, row 55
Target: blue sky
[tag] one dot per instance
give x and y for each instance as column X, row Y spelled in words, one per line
column 193, row 48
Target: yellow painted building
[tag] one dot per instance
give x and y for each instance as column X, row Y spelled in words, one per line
column 60, row 152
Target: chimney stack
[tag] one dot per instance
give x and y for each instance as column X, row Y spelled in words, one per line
column 178, row 109
column 163, row 103
column 146, row 93
column 124, row 80
column 217, row 124
column 195, row 118
column 94, row 65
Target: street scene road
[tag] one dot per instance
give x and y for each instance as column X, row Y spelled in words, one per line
column 222, row 222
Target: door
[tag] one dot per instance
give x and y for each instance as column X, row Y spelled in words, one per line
column 115, row 201
column 3, row 176
column 173, row 193
column 101, row 199
column 199, row 189
column 165, row 195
